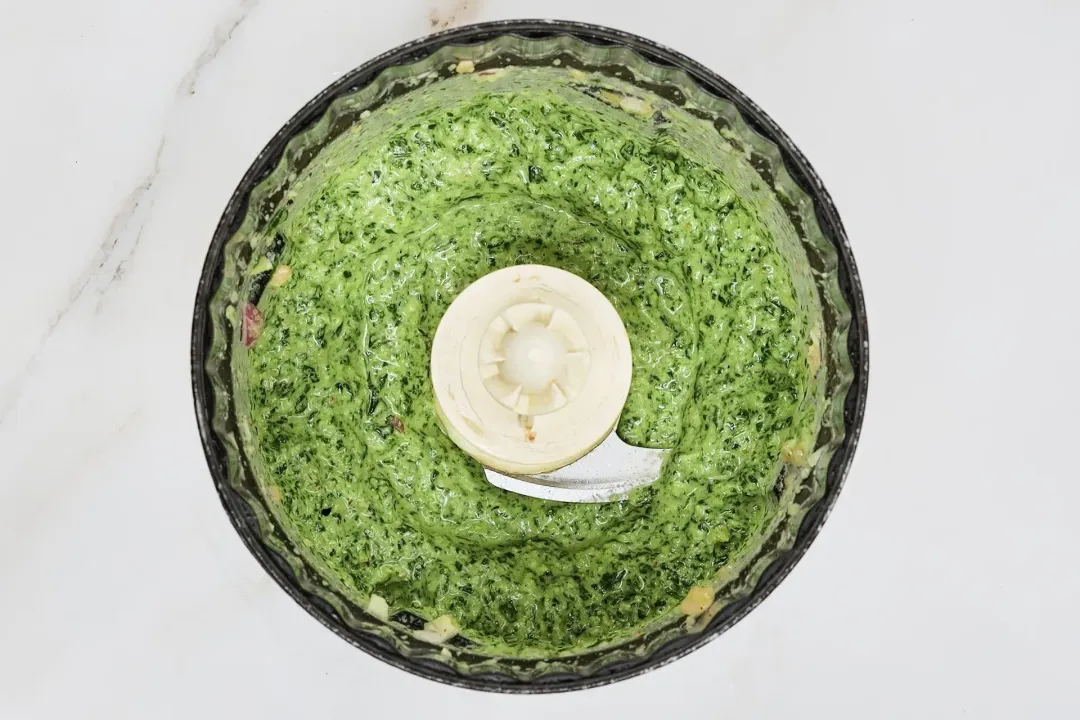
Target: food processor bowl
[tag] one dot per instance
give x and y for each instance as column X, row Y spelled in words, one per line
column 724, row 127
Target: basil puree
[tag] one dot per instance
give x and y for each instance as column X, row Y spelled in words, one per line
column 369, row 487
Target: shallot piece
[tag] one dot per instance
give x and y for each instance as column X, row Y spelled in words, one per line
column 253, row 325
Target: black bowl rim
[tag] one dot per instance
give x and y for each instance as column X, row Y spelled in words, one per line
column 800, row 170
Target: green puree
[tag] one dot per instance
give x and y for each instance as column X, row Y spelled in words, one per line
column 372, row 490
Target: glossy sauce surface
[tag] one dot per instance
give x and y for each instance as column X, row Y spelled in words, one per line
column 369, row 486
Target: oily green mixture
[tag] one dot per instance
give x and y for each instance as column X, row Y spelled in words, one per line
column 372, row 490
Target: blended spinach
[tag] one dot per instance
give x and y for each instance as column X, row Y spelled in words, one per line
column 358, row 471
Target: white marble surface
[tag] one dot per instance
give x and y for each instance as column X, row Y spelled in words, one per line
column 943, row 586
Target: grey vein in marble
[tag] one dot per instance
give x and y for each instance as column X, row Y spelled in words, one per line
column 444, row 15
column 121, row 239
column 222, row 34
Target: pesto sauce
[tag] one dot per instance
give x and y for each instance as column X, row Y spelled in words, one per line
column 367, row 484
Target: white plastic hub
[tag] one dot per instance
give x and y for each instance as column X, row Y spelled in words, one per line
column 534, row 358
column 530, row 367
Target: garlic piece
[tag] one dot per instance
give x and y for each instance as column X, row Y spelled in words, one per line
column 635, row 105
column 377, row 607
column 438, row 630
column 280, row 276
column 697, row 600
column 793, row 452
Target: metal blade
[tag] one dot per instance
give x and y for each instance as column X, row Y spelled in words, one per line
column 610, row 471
